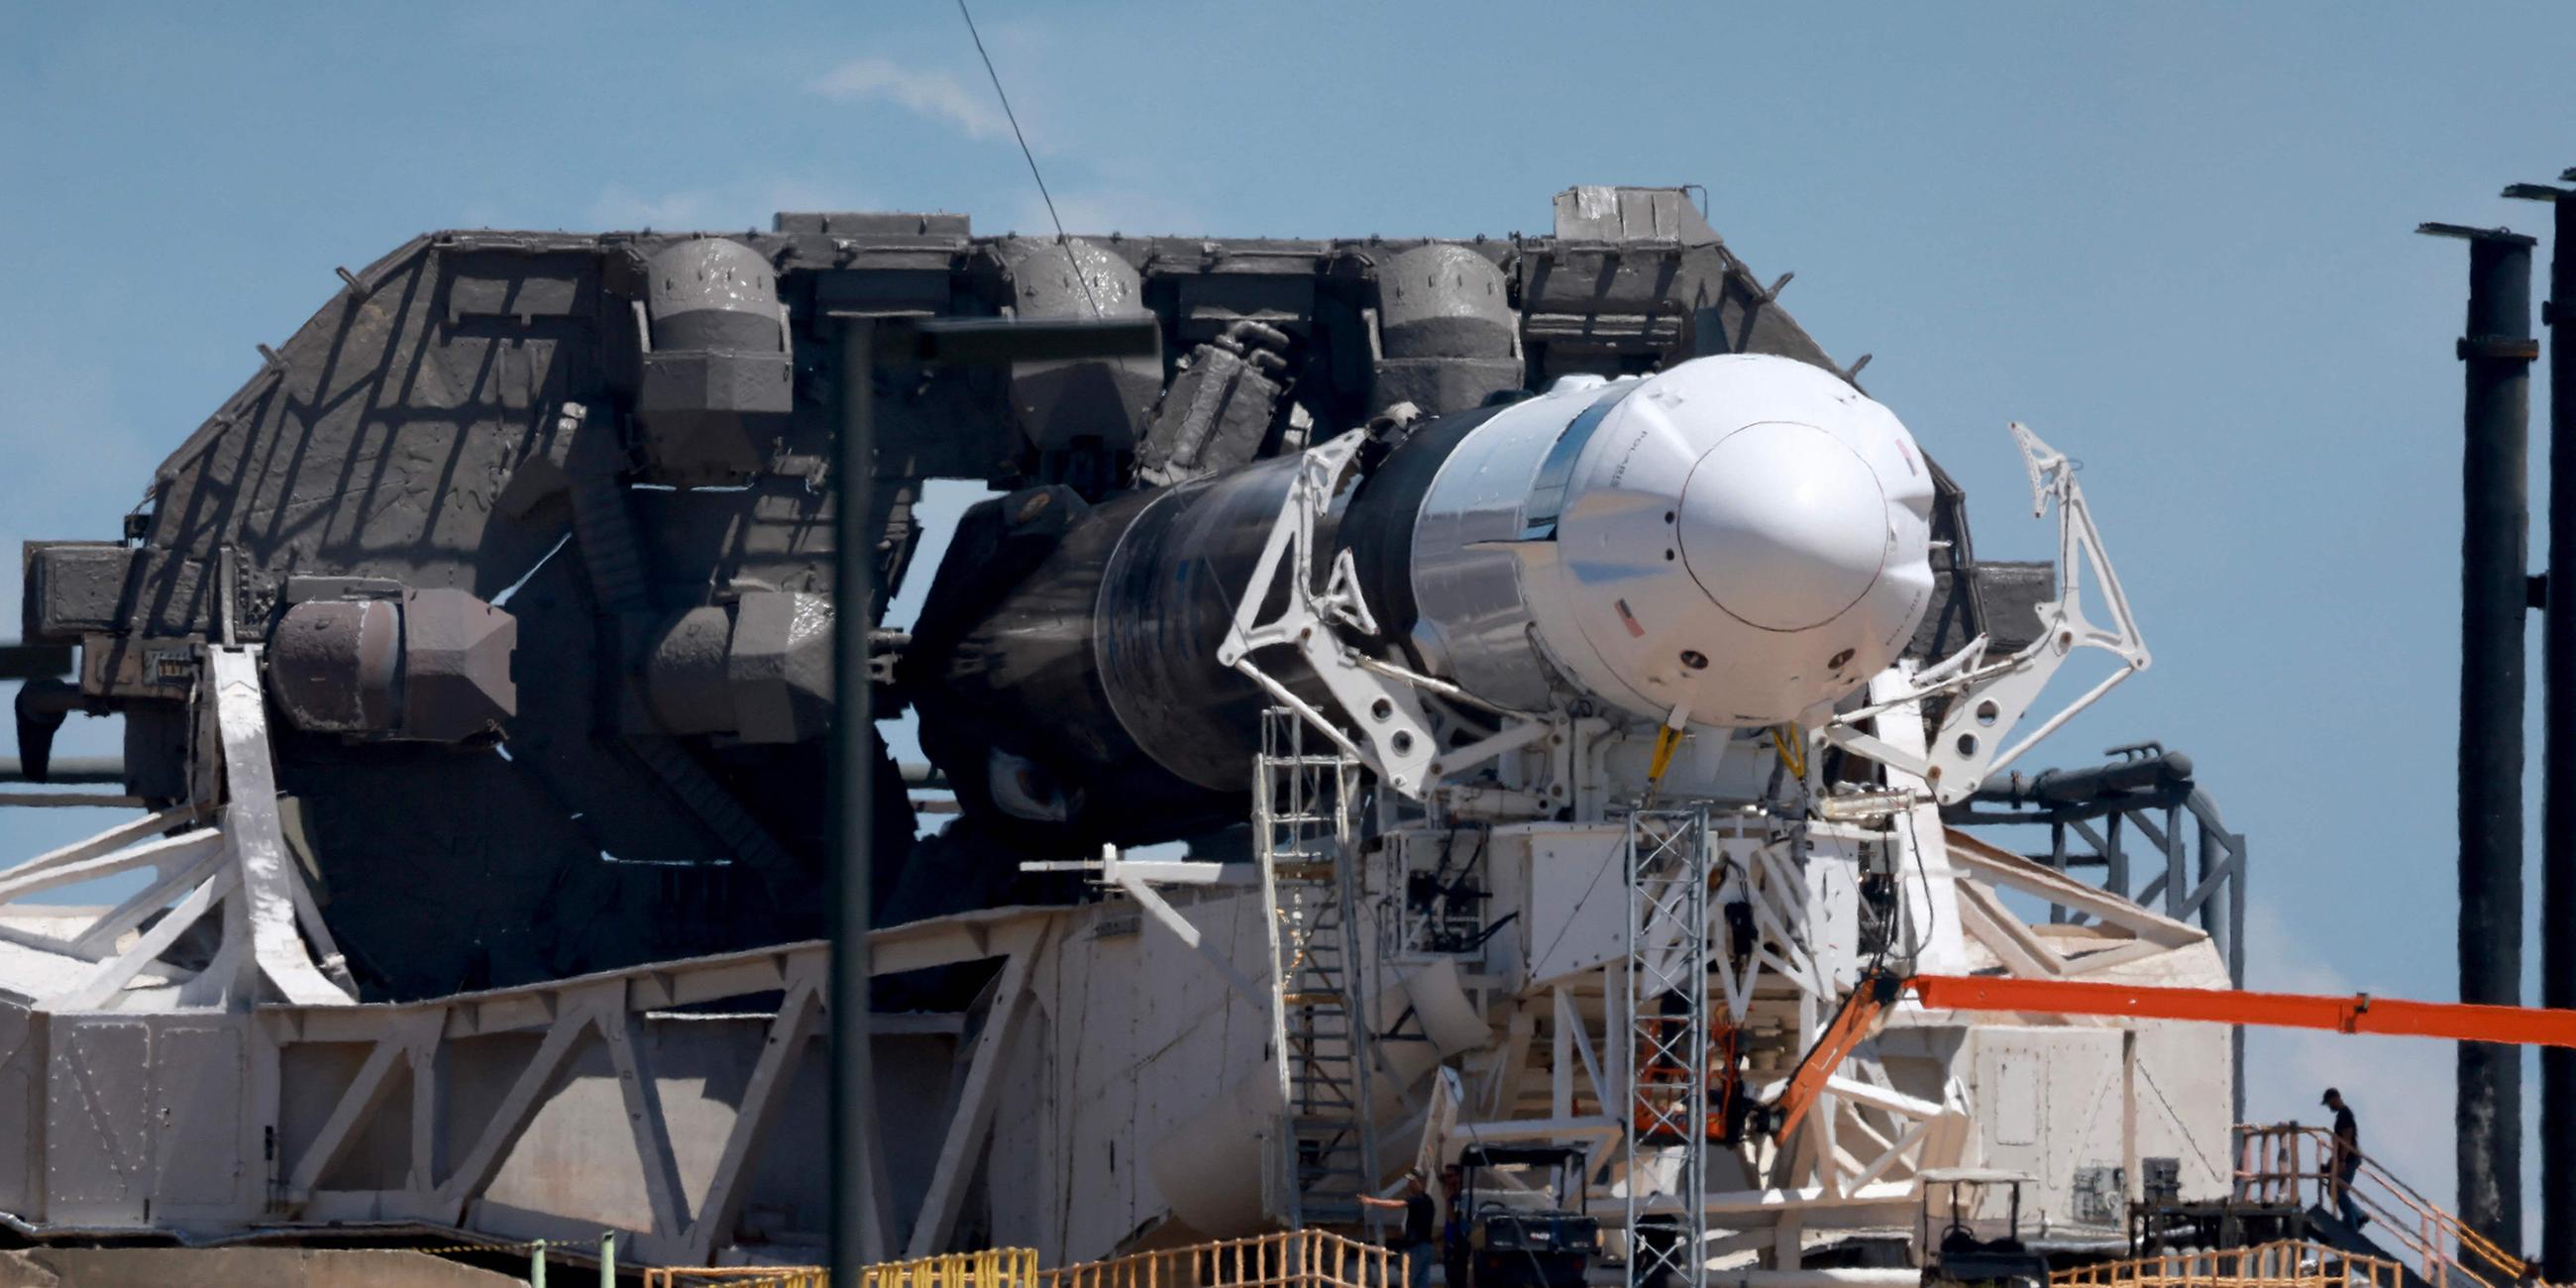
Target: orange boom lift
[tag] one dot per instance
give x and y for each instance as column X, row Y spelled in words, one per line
column 2361, row 1013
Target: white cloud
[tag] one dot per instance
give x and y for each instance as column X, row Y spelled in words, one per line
column 621, row 207
column 724, row 208
column 927, row 91
column 2401, row 1089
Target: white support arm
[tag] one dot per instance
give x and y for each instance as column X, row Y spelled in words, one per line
column 1394, row 736
column 1991, row 698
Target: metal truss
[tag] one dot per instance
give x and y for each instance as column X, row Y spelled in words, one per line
column 2194, row 868
column 1318, row 996
column 224, row 859
column 1399, row 747
column 1987, row 700
column 492, row 1115
column 1666, row 1054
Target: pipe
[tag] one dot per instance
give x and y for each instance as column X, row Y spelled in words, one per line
column 76, row 769
column 2496, row 350
column 1845, row 1277
column 2158, row 772
column 2558, row 767
column 856, row 1239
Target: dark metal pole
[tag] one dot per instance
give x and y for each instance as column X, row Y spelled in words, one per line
column 2558, row 771
column 858, row 1236
column 2497, row 349
column 2558, row 748
column 855, row 1239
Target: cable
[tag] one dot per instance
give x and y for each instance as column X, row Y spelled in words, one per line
column 1031, row 157
column 2196, row 1150
column 1931, row 907
column 1579, row 901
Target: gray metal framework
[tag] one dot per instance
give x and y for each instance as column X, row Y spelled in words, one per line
column 2162, row 845
column 1318, row 995
column 1666, row 1117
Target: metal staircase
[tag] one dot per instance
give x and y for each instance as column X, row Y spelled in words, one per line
column 1303, row 806
column 2291, row 1165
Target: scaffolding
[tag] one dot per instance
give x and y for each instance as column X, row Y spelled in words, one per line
column 1666, row 1056
column 1302, row 819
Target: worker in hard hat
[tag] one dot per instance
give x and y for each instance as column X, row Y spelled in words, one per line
column 2345, row 1161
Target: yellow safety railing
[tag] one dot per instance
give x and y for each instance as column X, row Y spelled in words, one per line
column 2285, row 1264
column 738, row 1277
column 993, row 1268
column 1288, row 1259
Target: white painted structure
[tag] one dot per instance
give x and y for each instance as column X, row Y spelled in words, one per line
column 188, row 1062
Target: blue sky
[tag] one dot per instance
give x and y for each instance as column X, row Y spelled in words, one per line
column 2174, row 239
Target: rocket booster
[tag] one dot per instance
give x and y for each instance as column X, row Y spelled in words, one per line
column 1740, row 540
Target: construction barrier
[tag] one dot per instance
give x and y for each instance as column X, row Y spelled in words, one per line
column 2286, row 1264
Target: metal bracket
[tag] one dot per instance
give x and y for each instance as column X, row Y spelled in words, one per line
column 1992, row 697
column 1398, row 743
column 1137, row 878
column 277, row 902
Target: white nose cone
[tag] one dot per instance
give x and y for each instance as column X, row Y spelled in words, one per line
column 1784, row 526
column 1743, row 537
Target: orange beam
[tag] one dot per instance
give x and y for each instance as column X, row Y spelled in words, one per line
column 2453, row 1021
column 1874, row 994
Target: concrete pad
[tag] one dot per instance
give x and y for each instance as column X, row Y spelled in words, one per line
column 239, row 1268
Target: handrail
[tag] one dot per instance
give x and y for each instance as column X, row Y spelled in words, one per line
column 2286, row 1263
column 1287, row 1259
column 737, row 1277
column 2272, row 1165
column 991, row 1268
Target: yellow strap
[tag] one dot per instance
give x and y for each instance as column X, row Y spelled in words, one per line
column 1667, row 740
column 1792, row 746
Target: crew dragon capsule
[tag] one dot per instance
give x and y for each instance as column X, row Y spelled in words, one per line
column 1740, row 540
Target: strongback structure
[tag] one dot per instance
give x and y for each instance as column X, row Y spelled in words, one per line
column 1500, row 691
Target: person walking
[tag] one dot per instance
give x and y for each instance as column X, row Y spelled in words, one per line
column 2345, row 1161
column 1453, row 1230
column 1421, row 1222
